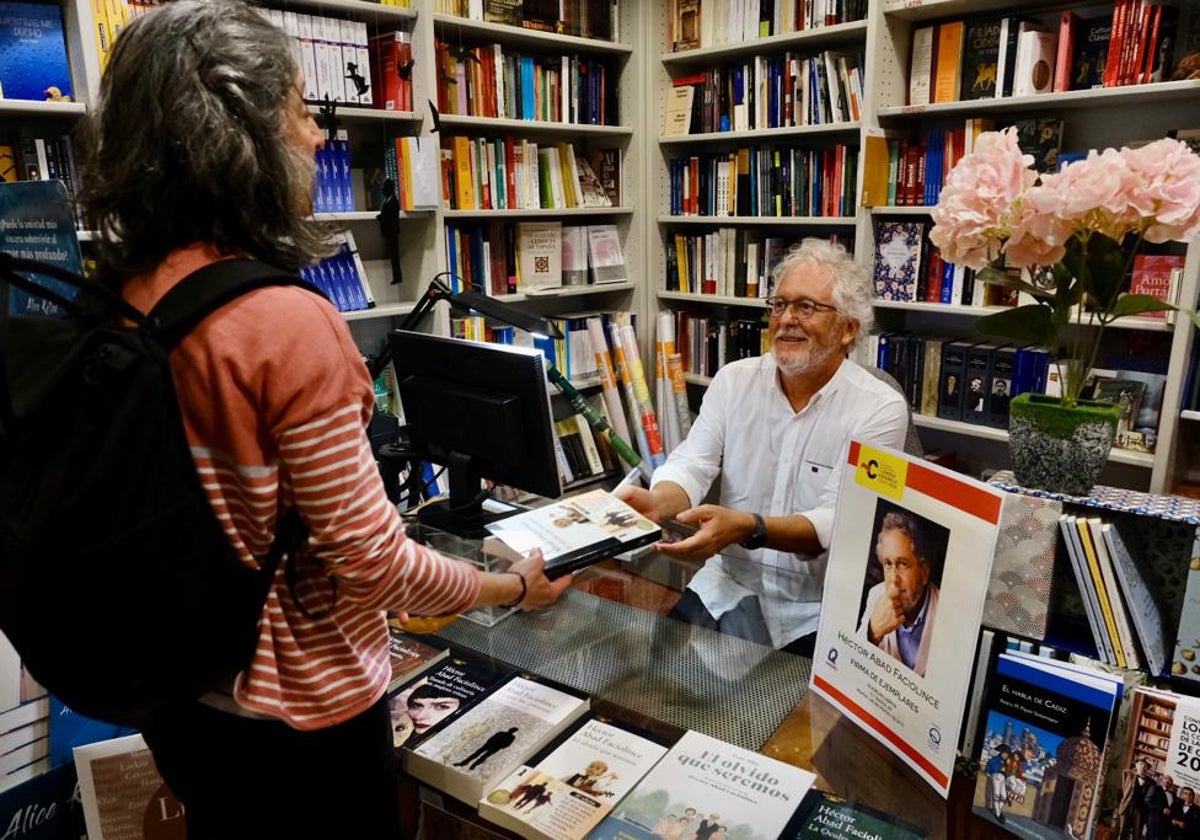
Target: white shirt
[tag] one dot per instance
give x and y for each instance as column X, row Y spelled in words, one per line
column 778, row 462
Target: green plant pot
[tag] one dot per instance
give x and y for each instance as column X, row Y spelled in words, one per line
column 1058, row 448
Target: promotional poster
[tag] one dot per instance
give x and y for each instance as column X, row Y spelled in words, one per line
column 885, row 655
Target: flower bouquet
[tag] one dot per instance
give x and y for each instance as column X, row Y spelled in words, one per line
column 1074, row 235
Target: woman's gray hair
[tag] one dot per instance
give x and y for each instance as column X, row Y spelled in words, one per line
column 187, row 142
column 853, row 293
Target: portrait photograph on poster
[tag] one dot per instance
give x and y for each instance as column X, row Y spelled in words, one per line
column 885, row 656
column 902, row 583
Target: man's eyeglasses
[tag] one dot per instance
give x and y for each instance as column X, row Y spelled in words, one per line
column 899, row 566
column 802, row 308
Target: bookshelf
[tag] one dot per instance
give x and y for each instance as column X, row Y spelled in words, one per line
column 645, row 67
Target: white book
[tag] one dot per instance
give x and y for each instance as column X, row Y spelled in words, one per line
column 1108, row 574
column 567, row 793
column 1087, row 590
column 494, row 737
column 1034, row 70
column 574, row 255
column 539, row 254
column 1147, row 617
column 605, row 258
column 710, row 782
column 920, row 68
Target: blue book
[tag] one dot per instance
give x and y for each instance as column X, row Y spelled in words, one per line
column 69, row 729
column 1047, row 726
column 33, row 51
column 39, row 224
column 47, row 807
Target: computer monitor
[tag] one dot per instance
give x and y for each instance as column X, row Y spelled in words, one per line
column 482, row 411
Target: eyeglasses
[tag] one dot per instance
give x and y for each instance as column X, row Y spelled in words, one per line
column 802, row 308
column 897, row 566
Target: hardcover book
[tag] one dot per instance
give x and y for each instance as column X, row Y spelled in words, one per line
column 33, row 51
column 575, row 532
column 1157, row 275
column 1044, row 741
column 1090, row 52
column 1143, row 605
column 898, row 246
column 1018, row 596
column 495, row 736
column 411, row 655
column 1186, row 660
column 952, row 382
column 981, row 53
column 566, row 794
column 606, row 261
column 702, row 784
column 539, row 254
column 1036, row 55
column 432, row 699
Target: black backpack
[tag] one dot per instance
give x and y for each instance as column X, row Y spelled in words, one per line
column 118, row 587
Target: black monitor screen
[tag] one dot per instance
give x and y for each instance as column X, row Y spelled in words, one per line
column 483, row 411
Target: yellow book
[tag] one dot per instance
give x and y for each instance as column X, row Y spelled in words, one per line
column 103, row 31
column 876, row 168
column 948, row 68
column 464, row 178
column 1089, row 551
column 404, row 161
column 8, row 164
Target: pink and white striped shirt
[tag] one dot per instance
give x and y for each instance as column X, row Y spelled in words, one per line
column 275, row 399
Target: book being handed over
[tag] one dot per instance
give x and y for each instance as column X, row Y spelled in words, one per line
column 574, row 532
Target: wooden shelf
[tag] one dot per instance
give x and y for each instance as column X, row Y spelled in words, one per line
column 767, row 221
column 1161, row 93
column 566, row 291
column 924, row 421
column 486, row 125
column 711, row 300
column 453, row 25
column 819, row 38
column 367, row 216
column 765, row 134
column 388, row 310
column 900, row 211
column 369, row 115
column 543, row 213
column 33, row 108
column 357, row 9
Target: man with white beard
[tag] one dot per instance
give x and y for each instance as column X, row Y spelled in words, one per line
column 776, row 431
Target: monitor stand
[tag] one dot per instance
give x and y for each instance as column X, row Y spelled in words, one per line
column 462, row 514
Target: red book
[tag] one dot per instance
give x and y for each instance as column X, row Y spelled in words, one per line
column 1065, row 57
column 393, row 62
column 1156, row 275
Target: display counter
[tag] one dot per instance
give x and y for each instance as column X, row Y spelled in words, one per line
column 611, row 637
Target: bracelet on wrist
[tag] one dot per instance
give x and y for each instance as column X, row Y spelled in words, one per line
column 524, row 591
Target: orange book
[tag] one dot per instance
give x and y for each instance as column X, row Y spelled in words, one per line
column 948, row 70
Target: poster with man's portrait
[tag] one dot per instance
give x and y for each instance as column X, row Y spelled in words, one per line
column 909, row 562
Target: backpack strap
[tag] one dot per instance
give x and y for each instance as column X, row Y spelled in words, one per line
column 178, row 312
column 209, row 288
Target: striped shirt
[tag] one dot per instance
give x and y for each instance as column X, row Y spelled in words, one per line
column 275, row 400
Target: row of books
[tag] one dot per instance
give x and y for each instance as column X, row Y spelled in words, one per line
column 533, row 756
column 765, row 181
column 24, row 721
column 479, row 173
column 335, row 57
column 596, row 19
column 28, row 157
column 695, row 24
column 342, row 277
column 909, row 268
column 492, row 81
column 332, row 190
column 906, row 172
column 768, row 92
column 708, row 344
column 728, row 261
column 508, row 257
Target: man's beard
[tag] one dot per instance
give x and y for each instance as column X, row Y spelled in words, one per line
column 799, row 359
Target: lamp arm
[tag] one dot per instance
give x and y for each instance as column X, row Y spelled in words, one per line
column 435, row 291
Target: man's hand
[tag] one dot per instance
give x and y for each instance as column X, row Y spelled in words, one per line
column 540, row 591
column 641, row 500
column 719, row 527
column 885, row 617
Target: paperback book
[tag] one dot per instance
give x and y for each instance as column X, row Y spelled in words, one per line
column 567, row 793
column 474, row 752
column 1042, row 753
column 825, row 816
column 122, row 792
column 410, row 655
column 575, row 532
column 438, row 695
column 39, row 224
column 704, row 784
column 33, row 51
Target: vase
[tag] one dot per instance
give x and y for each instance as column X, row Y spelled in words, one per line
column 1059, row 448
